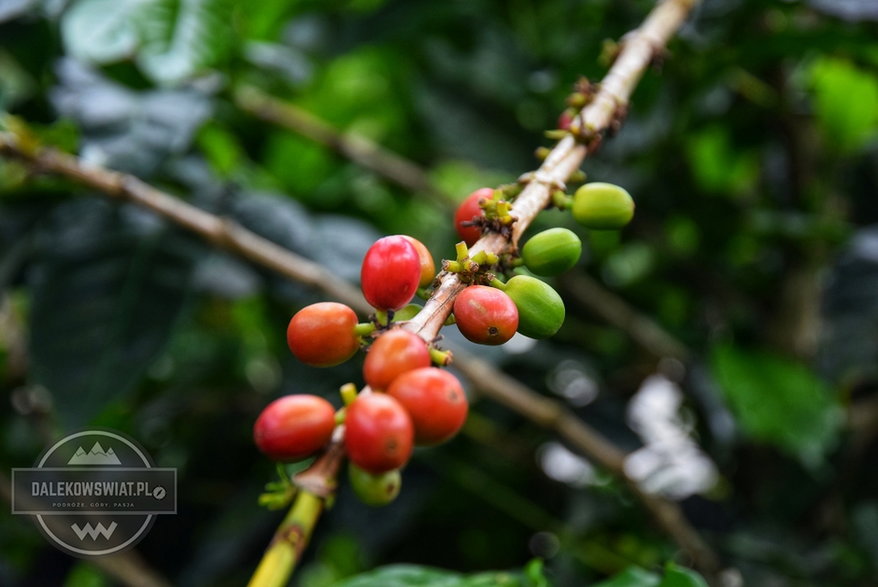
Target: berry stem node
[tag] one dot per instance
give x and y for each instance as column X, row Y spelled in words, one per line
column 440, row 357
column 348, row 393
column 364, row 328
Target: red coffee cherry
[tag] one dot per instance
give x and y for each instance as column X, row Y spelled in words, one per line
column 428, row 266
column 390, row 272
column 378, row 433
column 392, row 354
column 466, row 211
column 485, row 315
column 294, row 427
column 322, row 334
column 435, row 401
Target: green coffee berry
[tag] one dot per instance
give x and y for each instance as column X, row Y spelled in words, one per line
column 540, row 308
column 552, row 251
column 603, row 206
column 374, row 489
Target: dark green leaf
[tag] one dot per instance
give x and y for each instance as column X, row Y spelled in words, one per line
column 127, row 130
column 277, row 218
column 107, row 291
column 677, row 576
column 632, row 577
column 417, row 576
column 778, row 401
column 102, row 31
column 182, row 37
column 404, row 576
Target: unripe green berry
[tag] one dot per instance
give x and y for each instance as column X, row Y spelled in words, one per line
column 603, row 206
column 540, row 308
column 374, row 489
column 552, row 251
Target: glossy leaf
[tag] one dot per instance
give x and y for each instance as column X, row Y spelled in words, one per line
column 102, row 31
column 632, row 577
column 123, row 129
column 418, row 576
column 677, row 576
column 182, row 37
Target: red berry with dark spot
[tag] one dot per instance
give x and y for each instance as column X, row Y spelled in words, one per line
column 390, row 273
column 392, row 354
column 435, row 401
column 467, row 211
column 322, row 334
column 485, row 315
column 378, row 433
column 294, row 427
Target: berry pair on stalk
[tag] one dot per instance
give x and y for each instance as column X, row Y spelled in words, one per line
column 492, row 314
column 594, row 205
column 424, row 406
column 326, row 334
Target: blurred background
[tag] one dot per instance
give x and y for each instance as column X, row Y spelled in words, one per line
column 727, row 338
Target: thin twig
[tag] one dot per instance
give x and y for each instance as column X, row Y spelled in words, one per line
column 637, row 52
column 224, row 233
column 355, row 147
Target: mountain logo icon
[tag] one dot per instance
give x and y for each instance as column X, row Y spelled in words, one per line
column 96, row 456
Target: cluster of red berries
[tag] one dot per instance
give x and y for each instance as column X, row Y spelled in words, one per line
column 411, row 401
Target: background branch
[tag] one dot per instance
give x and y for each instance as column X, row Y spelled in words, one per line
column 642, row 329
column 355, row 147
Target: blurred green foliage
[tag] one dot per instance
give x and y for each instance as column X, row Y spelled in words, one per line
column 752, row 156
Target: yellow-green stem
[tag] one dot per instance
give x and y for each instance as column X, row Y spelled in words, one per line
column 289, row 542
column 497, row 283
